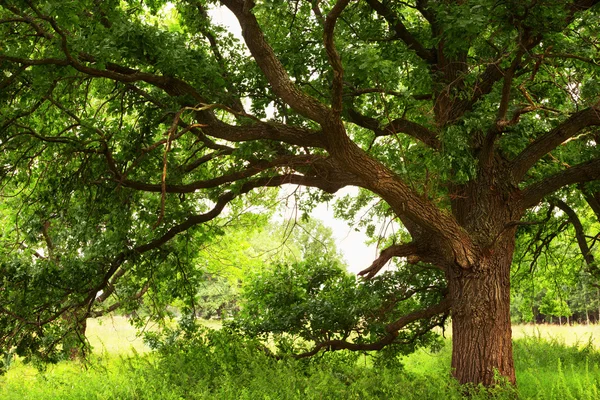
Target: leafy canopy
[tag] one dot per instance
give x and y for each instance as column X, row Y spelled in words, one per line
column 128, row 129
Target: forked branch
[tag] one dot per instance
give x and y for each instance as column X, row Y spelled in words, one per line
column 334, row 58
column 399, row 125
column 270, row 65
column 401, row 32
column 579, row 235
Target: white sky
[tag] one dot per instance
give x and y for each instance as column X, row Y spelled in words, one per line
column 349, row 242
column 352, row 245
column 222, row 16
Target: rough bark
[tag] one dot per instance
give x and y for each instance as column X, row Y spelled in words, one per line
column 481, row 329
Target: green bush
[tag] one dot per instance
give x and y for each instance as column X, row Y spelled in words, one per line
column 297, row 305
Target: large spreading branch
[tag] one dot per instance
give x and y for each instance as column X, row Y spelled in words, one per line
column 270, row 65
column 337, row 86
column 375, row 176
column 584, row 172
column 572, row 126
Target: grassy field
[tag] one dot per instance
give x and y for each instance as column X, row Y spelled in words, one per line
column 115, row 336
column 552, row 362
column 570, row 334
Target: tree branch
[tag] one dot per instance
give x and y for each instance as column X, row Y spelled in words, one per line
column 399, row 125
column 592, row 198
column 401, row 32
column 397, row 250
column 579, row 234
column 118, row 304
column 493, row 72
column 251, row 170
column 334, row 58
column 203, row 27
column 172, row 86
column 359, row 92
column 270, row 65
column 266, row 130
column 584, row 172
column 547, row 142
column 374, row 175
column 391, row 332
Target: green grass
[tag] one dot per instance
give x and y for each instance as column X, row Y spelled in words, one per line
column 552, row 363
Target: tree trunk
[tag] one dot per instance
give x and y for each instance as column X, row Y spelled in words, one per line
column 587, row 316
column 481, row 328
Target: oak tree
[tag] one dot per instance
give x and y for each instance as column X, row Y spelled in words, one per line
column 128, row 127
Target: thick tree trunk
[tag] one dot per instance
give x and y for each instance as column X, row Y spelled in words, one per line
column 481, row 329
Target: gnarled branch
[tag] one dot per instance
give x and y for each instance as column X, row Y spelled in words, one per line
column 399, row 125
column 271, row 66
column 335, row 61
column 401, row 32
column 579, row 235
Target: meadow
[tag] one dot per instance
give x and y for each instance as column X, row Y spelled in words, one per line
column 553, row 362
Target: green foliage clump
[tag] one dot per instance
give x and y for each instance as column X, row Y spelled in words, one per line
column 298, row 305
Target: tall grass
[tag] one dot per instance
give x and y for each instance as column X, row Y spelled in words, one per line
column 219, row 365
column 549, row 368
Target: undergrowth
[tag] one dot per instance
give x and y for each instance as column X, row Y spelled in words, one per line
column 220, row 365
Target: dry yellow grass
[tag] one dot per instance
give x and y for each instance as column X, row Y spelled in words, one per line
column 570, row 334
column 114, row 335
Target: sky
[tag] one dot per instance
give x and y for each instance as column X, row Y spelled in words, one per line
column 351, row 243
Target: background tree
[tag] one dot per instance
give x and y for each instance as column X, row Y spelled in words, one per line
column 128, row 127
column 555, row 261
column 250, row 244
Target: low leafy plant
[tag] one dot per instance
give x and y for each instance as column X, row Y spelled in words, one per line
column 295, row 307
